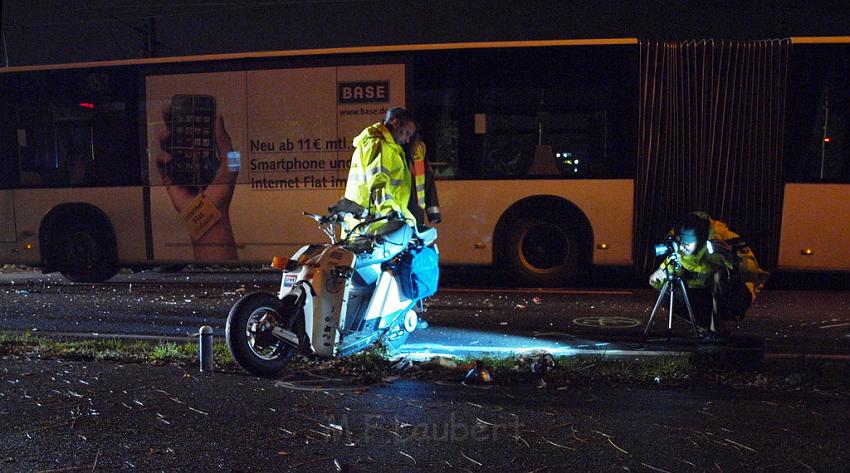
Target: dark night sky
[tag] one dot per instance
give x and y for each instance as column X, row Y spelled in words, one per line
column 57, row 31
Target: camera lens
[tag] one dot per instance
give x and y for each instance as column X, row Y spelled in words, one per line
column 668, row 247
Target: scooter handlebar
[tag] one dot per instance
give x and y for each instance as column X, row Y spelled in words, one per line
column 318, row 218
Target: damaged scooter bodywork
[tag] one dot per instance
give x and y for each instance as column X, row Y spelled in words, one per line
column 334, row 299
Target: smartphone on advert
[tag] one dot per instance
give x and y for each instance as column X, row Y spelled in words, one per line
column 194, row 160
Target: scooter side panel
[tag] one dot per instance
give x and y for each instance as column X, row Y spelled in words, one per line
column 387, row 300
column 329, row 309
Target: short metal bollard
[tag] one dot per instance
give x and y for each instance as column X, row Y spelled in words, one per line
column 205, row 348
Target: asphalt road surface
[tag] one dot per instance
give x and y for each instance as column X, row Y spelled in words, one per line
column 462, row 321
column 58, row 416
column 69, row 416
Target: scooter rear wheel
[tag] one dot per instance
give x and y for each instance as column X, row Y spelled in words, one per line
column 248, row 333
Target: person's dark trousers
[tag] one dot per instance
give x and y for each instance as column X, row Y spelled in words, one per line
column 731, row 297
column 726, row 298
column 701, row 304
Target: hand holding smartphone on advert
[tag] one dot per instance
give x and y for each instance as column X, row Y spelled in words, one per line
column 199, row 167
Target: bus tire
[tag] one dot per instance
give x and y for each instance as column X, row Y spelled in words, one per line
column 87, row 253
column 77, row 239
column 543, row 251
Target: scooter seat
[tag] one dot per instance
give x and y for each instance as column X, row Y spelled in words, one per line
column 387, row 247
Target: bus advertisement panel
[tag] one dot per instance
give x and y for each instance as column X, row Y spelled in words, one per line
column 229, row 152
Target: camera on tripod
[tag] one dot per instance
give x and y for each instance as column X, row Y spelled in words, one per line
column 673, row 284
column 668, row 247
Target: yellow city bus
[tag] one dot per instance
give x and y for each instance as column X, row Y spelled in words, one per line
column 552, row 156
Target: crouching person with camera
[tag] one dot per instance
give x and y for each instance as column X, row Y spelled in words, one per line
column 719, row 270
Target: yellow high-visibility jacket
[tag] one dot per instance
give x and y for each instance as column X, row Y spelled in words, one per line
column 379, row 178
column 697, row 269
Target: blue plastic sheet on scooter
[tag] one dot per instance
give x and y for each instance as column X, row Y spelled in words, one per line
column 419, row 272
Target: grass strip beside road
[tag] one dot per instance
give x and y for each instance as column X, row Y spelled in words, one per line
column 108, row 349
column 373, row 366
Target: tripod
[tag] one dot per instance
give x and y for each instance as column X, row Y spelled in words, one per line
column 671, row 285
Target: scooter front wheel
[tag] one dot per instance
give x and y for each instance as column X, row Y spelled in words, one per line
column 249, row 333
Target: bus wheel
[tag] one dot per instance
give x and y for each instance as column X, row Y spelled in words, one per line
column 542, row 251
column 87, row 253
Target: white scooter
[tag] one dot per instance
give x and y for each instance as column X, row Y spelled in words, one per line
column 339, row 298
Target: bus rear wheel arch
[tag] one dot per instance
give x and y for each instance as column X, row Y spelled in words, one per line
column 78, row 240
column 544, row 241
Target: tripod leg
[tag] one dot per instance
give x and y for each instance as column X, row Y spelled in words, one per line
column 670, row 314
column 688, row 305
column 664, row 289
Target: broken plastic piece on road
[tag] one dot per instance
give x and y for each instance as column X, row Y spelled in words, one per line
column 477, row 374
column 443, row 362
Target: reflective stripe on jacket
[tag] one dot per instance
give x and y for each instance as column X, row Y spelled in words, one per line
column 424, row 201
column 417, row 150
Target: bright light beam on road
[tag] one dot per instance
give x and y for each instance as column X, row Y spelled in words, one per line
column 452, row 342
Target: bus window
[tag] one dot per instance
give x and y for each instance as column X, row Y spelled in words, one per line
column 819, row 121
column 445, row 136
column 75, row 130
column 439, row 126
column 563, row 114
column 546, row 144
column 8, row 147
column 57, row 152
column 828, row 144
column 506, row 145
column 435, row 104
